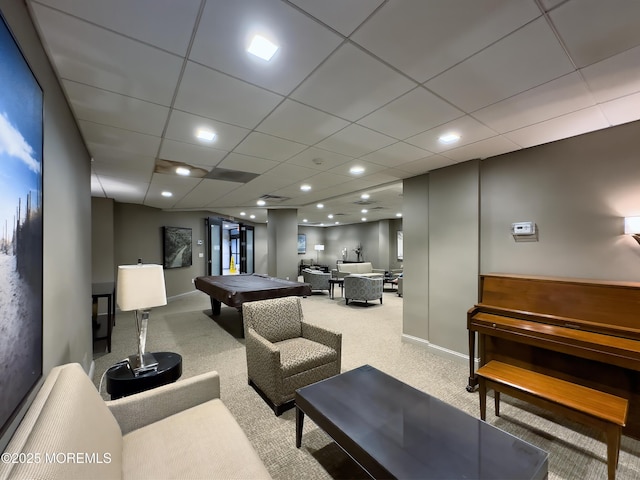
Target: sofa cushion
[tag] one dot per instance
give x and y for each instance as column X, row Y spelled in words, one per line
column 204, row 441
column 67, row 417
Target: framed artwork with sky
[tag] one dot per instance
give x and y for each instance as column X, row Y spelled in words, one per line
column 21, row 229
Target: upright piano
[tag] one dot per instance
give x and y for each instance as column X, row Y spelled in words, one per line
column 583, row 331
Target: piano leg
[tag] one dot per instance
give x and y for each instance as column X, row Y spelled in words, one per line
column 473, row 379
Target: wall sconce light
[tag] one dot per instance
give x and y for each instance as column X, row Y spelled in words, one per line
column 632, row 227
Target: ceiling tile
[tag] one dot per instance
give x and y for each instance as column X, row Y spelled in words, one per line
column 319, row 159
column 107, row 60
column 396, row 154
column 351, row 84
column 269, row 147
column 191, row 154
column 469, row 129
column 167, row 25
column 183, row 127
column 245, row 163
column 338, row 14
column 204, row 193
column 482, row 149
column 425, row 38
column 593, row 30
column 297, row 122
column 424, row 165
column 412, row 113
column 558, row 97
column 111, row 138
column 527, row 58
column 232, row 101
column 100, row 106
column 355, row 141
column 226, row 29
column 622, row 110
column 123, row 165
column 570, row 125
column 96, row 187
column 614, row 77
column 124, row 191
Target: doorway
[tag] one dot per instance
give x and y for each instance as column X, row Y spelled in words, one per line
column 230, row 247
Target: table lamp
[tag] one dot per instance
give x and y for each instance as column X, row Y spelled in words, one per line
column 141, row 287
column 318, row 249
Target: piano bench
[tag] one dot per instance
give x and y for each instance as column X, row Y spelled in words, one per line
column 597, row 409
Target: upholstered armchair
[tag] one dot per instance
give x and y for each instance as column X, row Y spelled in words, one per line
column 362, row 288
column 285, row 353
column 400, row 282
column 318, row 280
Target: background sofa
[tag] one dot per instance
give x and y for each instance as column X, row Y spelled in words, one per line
column 364, row 268
column 180, row 430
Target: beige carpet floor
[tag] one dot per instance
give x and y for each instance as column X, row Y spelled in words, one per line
column 371, row 335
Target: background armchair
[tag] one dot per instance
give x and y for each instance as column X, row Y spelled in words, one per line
column 284, row 353
column 362, row 288
column 317, row 279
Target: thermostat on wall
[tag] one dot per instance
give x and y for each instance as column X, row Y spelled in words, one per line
column 523, row 229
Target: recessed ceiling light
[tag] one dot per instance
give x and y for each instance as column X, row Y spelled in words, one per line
column 304, row 220
column 357, row 170
column 364, row 210
column 364, row 219
column 252, row 216
column 364, row 196
column 330, row 215
column 206, row 135
column 243, row 213
column 305, row 187
column 337, row 223
column 261, row 203
column 449, row 138
column 398, row 214
column 262, row 48
column 166, row 194
column 183, row 171
column 320, row 205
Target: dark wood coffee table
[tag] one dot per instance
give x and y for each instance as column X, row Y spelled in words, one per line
column 393, row 430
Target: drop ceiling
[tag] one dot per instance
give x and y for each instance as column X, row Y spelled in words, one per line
column 367, row 83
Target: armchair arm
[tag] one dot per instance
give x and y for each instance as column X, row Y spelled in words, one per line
column 147, row 407
column 326, row 337
column 263, row 362
column 321, row 335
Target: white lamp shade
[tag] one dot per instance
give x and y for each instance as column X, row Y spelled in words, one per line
column 319, row 247
column 140, row 287
column 631, row 225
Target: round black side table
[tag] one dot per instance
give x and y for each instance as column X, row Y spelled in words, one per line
column 122, row 382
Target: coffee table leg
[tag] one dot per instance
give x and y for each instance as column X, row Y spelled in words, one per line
column 299, row 422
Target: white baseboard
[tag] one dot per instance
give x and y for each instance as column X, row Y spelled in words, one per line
column 440, row 351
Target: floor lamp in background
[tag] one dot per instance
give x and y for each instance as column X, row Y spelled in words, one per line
column 318, row 249
column 140, row 288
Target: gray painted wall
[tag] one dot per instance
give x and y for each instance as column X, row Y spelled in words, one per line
column 102, row 242
column 66, row 210
column 577, row 191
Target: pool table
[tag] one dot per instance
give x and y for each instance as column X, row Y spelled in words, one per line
column 234, row 290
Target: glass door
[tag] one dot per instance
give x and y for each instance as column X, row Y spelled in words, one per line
column 214, row 243
column 247, row 256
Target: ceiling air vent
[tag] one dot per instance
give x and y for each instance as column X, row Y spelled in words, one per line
column 363, row 202
column 274, row 198
column 231, row 175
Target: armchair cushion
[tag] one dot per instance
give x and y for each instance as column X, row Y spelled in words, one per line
column 300, row 354
column 317, row 279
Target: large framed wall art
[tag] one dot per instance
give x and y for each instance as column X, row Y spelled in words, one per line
column 177, row 247
column 21, row 231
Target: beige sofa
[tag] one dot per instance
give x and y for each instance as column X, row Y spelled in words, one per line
column 177, row 431
column 363, row 269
